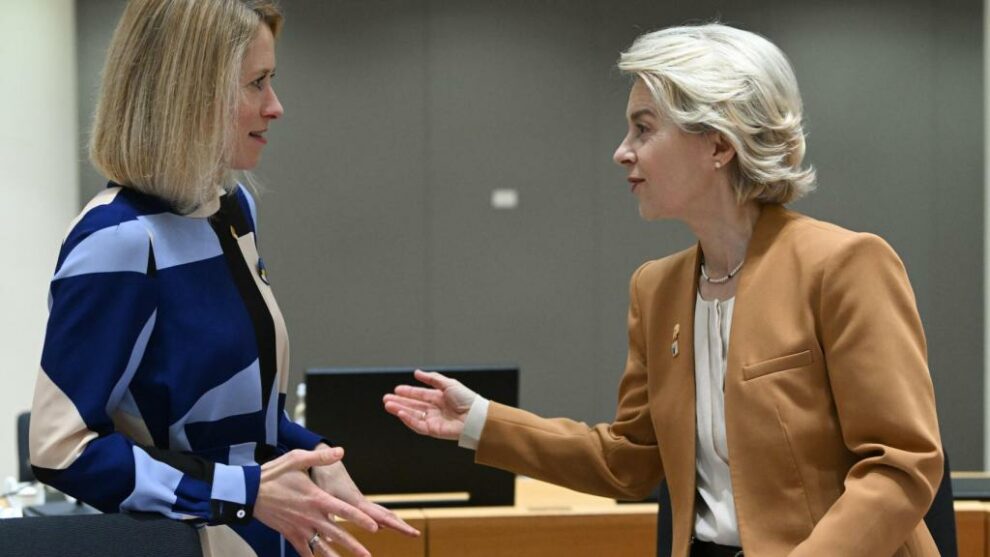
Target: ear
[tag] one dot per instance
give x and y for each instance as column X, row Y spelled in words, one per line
column 721, row 151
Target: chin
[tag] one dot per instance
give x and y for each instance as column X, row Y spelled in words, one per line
column 244, row 165
column 648, row 214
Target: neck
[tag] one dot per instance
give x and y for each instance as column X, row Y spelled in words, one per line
column 724, row 236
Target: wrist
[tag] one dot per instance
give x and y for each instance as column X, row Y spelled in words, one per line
column 474, row 423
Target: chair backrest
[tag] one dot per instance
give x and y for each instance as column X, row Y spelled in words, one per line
column 24, row 472
column 107, row 535
column 665, row 522
column 941, row 519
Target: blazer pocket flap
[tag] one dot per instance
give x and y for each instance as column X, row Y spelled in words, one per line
column 773, row 365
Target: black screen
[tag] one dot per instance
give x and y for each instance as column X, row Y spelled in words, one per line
column 383, row 456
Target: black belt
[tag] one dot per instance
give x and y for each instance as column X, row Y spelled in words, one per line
column 709, row 549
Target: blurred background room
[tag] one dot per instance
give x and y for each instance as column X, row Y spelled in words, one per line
column 441, row 188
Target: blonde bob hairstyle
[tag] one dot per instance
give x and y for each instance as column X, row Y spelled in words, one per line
column 165, row 117
column 717, row 78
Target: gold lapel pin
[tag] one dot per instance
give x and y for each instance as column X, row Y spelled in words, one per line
column 673, row 345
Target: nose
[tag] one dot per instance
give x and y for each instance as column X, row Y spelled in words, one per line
column 272, row 108
column 624, row 154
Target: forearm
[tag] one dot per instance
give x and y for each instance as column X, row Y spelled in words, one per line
column 115, row 475
column 569, row 453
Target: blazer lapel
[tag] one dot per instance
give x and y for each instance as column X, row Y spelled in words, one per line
column 746, row 311
column 673, row 386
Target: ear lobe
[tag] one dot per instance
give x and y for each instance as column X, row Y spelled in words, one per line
column 721, row 149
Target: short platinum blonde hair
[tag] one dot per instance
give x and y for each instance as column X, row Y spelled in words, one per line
column 165, row 117
column 718, row 78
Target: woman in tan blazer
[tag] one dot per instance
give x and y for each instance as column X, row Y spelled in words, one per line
column 813, row 432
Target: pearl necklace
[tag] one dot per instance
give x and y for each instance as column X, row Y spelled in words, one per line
column 720, row 280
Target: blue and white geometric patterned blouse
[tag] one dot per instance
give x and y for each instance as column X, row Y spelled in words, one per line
column 165, row 366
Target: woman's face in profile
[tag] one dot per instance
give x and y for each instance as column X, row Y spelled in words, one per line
column 257, row 105
column 665, row 165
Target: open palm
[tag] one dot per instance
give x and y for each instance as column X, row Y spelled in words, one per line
column 438, row 411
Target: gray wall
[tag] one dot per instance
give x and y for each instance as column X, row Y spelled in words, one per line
column 403, row 116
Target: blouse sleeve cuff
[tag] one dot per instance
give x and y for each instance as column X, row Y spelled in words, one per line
column 474, row 424
column 234, row 492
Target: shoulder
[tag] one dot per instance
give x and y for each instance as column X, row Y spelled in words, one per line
column 818, row 242
column 807, row 253
column 108, row 235
column 247, row 204
column 657, row 270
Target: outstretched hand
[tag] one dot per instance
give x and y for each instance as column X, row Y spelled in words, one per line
column 439, row 411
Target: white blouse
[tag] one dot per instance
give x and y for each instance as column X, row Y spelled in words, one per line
column 715, row 518
column 715, row 513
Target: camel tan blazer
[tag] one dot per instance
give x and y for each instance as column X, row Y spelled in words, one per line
column 833, row 441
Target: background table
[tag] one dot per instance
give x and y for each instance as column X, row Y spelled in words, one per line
column 551, row 521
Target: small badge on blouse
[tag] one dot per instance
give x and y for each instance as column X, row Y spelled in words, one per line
column 263, row 272
column 673, row 345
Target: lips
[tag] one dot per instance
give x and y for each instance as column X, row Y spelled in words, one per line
column 633, row 182
column 257, row 136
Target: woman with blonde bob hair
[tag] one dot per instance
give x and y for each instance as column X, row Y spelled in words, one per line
column 165, row 365
column 813, row 432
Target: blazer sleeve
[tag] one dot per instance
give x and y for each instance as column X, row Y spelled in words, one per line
column 620, row 459
column 103, row 307
column 876, row 359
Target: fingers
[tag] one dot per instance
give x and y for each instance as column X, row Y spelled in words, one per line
column 416, row 415
column 322, row 549
column 388, row 519
column 300, row 543
column 410, row 403
column 314, row 539
column 332, row 506
column 344, row 539
column 428, row 396
column 318, row 547
column 413, row 420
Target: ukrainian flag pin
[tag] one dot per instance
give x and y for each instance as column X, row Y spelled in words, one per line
column 263, row 272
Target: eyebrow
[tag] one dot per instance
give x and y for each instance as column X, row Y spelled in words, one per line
column 263, row 72
column 640, row 113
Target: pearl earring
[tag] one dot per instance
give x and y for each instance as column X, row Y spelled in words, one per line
column 718, row 165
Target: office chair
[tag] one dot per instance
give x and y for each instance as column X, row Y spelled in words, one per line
column 24, row 472
column 940, row 519
column 107, row 535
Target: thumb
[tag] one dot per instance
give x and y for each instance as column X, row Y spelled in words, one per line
column 434, row 379
column 322, row 456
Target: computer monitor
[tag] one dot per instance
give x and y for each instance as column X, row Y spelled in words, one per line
column 392, row 464
column 971, row 485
